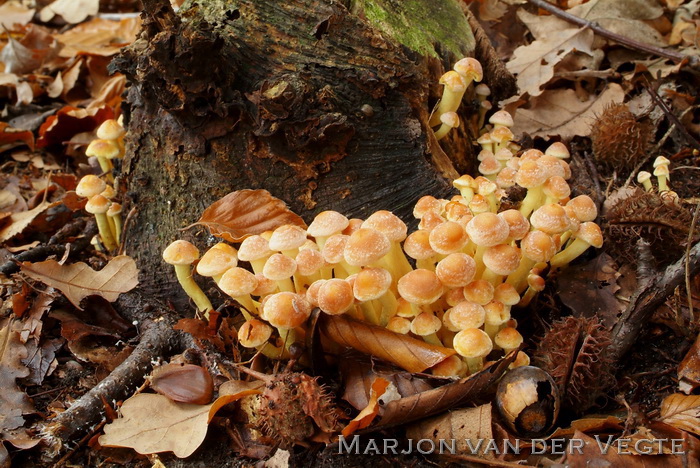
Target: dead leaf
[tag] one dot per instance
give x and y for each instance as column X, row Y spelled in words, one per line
column 69, row 121
column 152, row 423
column 77, row 281
column 367, row 415
column 404, row 351
column 13, row 12
column 99, row 37
column 244, row 213
column 560, row 112
column 98, row 318
column 470, row 428
column 41, row 359
column 36, row 47
column 72, row 11
column 10, row 136
column 682, row 411
column 20, row 221
column 689, row 369
column 13, row 401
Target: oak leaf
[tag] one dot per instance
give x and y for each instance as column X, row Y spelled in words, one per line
column 18, row 222
column 152, row 423
column 682, row 411
column 77, row 281
column 13, row 401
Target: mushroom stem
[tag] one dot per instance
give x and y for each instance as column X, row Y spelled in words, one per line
column 432, row 339
column 532, row 200
column 116, row 220
column 518, row 279
column 571, row 252
column 105, row 231
column 184, row 277
column 389, row 305
column 474, row 364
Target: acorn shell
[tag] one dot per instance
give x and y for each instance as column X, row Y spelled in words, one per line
column 186, row 383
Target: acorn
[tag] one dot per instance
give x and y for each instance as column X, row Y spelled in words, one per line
column 528, row 401
column 186, row 383
column 619, row 140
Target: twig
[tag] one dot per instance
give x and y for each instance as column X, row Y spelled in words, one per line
column 82, row 442
column 670, row 115
column 693, row 60
column 691, row 235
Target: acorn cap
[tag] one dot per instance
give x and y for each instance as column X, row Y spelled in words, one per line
column 425, row 324
column 591, row 234
column 583, row 207
column 399, row 325
column 388, row 224
column 253, row 248
column 238, row 282
column 97, row 204
column 335, row 296
column 448, row 237
column 279, row 267
column 420, row 287
column 501, row 117
column 456, row 270
column 89, row 186
column 551, row 219
column 254, row 333
column 417, row 245
column 371, row 284
column 470, row 68
column 287, row 237
column 425, row 204
column 180, row 252
column 286, row 310
column 507, row 294
column 472, row 343
column 366, row 246
column 466, row 315
column 487, row 229
column 110, row 130
column 518, row 225
column 508, row 338
column 479, row 291
column 334, row 248
column 309, row 261
column 216, row 261
column 103, row 149
column 502, row 259
column 538, row 246
column 327, row 223
column 558, row 150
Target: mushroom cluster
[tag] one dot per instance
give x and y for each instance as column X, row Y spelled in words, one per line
column 455, row 82
column 108, row 145
column 451, row 283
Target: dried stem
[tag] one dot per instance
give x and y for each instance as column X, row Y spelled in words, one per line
column 691, row 235
column 692, row 60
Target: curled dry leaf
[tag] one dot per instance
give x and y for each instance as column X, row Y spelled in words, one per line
column 72, row 11
column 13, row 401
column 152, row 423
column 244, row 213
column 99, row 37
column 13, row 12
column 682, row 411
column 402, row 350
column 689, row 369
column 18, row 222
column 367, row 415
column 78, row 280
column 11, row 136
column 68, row 122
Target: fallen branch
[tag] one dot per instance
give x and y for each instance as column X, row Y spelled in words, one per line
column 693, row 60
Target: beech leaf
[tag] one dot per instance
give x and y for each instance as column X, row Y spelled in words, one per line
column 682, row 411
column 13, row 12
column 368, row 414
column 13, row 401
column 406, row 352
column 152, row 423
column 11, row 136
column 73, row 11
column 78, row 280
column 245, row 213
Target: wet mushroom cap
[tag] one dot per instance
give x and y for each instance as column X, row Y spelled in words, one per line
column 110, row 130
column 538, row 246
column 180, row 252
column 425, row 324
column 518, row 225
column 97, row 204
column 334, row 248
column 550, row 219
column 399, row 325
column 265, row 286
column 420, row 287
column 253, row 248
column 479, row 291
column 238, row 282
column 312, row 292
column 530, row 174
column 456, row 270
column 327, row 223
column 286, row 310
column 216, row 261
column 103, row 149
column 279, row 267
column 466, row 315
column 591, row 234
column 583, row 207
column 425, row 204
column 472, row 343
column 508, row 338
column 507, row 294
column 430, row 221
column 387, row 223
column 448, row 237
column 556, row 187
column 89, row 186
column 254, row 333
column 309, row 261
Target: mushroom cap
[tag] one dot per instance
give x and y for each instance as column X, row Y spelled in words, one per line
column 110, row 130
column 180, row 252
column 335, row 296
column 448, row 237
column 430, row 220
column 496, row 313
column 591, row 234
column 453, row 366
column 425, row 324
column 661, row 171
column 502, row 259
column 470, row 68
column 371, row 284
column 420, row 287
column 472, row 343
column 479, row 204
column 451, row 119
column 458, row 212
column 279, row 267
column 583, row 207
column 508, row 338
column 89, row 186
column 507, row 294
column 503, row 155
column 103, row 149
column 465, row 315
column 501, row 117
column 518, row 225
column 661, row 161
column 506, row 178
column 253, row 248
column 404, row 308
column 479, row 291
column 501, row 135
column 536, row 282
column 265, row 286
column 482, row 89
column 558, row 150
column 238, row 282
column 312, row 292
column 114, row 209
column 454, row 296
column 521, row 359
column 483, row 154
column 366, row 246
column 387, row 223
column 453, row 81
column 556, row 187
column 286, row 310
column 551, row 219
column 334, row 248
column 417, row 245
column 254, row 333
column 97, row 204
column 532, row 154
column 489, row 166
column 538, row 246
column 327, row 223
column 552, row 166
column 425, row 204
column 109, row 192
column 485, row 139
column 456, row 270
column 643, row 176
column 353, row 225
column 530, row 174
column 287, row 237
column 399, row 325
column 463, row 182
column 487, row 229
column 309, row 261
column 216, row 261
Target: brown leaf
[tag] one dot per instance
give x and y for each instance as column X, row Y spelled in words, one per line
column 99, row 37
column 152, row 423
column 370, row 412
column 98, row 318
column 689, row 369
column 561, row 112
column 13, row 401
column 11, row 136
column 12, row 13
column 470, row 428
column 36, row 47
column 200, row 331
column 68, row 122
column 78, row 280
column 20, row 221
column 41, row 359
column 470, row 389
column 406, row 352
column 682, row 411
column 72, row 11
column 244, row 213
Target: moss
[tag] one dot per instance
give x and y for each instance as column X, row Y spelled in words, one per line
column 421, row 25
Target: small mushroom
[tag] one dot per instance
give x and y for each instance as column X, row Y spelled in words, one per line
column 182, row 254
column 474, row 345
column 454, row 87
column 98, row 206
column 449, row 120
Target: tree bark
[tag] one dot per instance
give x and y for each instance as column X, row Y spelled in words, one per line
column 325, row 104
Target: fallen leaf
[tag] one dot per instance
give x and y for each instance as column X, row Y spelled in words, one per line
column 13, row 401
column 20, row 221
column 404, row 351
column 244, row 213
column 469, row 428
column 41, row 359
column 560, row 112
column 367, row 415
column 99, row 37
column 152, row 423
column 13, row 12
column 69, row 121
column 72, row 11
column 98, row 318
column 36, row 47
column 77, row 281
column 682, row 411
column 689, row 369
column 9, row 136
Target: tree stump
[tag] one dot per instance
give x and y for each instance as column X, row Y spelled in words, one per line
column 323, row 103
